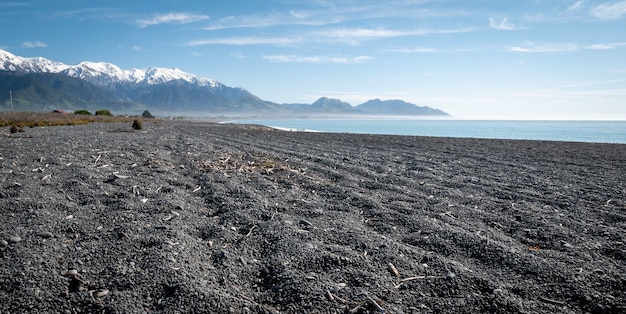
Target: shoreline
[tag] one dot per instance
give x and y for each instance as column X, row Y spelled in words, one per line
column 569, row 131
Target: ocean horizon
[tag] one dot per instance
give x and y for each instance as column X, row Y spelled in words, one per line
column 545, row 130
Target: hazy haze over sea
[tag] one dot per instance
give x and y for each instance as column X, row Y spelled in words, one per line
column 575, row 131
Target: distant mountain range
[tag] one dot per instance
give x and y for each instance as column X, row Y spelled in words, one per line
column 39, row 84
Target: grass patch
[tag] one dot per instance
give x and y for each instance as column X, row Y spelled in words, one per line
column 33, row 119
column 137, row 125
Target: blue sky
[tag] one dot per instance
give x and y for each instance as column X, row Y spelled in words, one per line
column 491, row 59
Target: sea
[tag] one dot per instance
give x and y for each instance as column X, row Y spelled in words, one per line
column 570, row 131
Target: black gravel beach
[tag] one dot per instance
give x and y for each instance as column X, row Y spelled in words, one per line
column 195, row 217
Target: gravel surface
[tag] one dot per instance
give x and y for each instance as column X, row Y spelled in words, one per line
column 188, row 217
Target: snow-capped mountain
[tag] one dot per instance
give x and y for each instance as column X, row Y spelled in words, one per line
column 11, row 62
column 153, row 75
column 108, row 74
column 167, row 89
column 101, row 73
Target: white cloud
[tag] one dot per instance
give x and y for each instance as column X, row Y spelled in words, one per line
column 241, row 41
column 552, row 47
column 34, row 44
column 269, row 20
column 590, row 83
column 357, row 35
column 412, row 50
column 173, row 17
column 501, row 24
column 605, row 46
column 574, row 7
column 350, row 36
column 316, row 59
column 320, row 13
column 610, row 10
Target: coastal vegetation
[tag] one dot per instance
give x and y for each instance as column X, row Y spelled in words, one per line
column 23, row 119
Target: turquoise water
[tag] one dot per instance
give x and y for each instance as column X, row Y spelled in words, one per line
column 577, row 131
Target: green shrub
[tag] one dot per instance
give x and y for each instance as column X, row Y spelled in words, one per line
column 15, row 128
column 137, row 125
column 103, row 112
column 146, row 114
column 83, row 112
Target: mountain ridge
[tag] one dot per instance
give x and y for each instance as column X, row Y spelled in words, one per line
column 163, row 90
column 92, row 71
column 37, row 91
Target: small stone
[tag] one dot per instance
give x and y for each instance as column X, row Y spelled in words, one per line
column 4, row 243
column 45, row 234
column 450, row 276
column 71, row 272
column 598, row 309
column 14, row 239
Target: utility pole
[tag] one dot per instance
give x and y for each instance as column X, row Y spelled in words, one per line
column 11, row 97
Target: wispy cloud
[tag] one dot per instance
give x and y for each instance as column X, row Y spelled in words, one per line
column 238, row 55
column 242, row 41
column 322, row 13
column 272, row 19
column 562, row 47
column 550, row 47
column 501, row 24
column 437, row 50
column 350, row 36
column 172, row 17
column 591, row 83
column 316, row 59
column 34, row 44
column 610, row 10
column 605, row 46
column 87, row 13
column 576, row 5
column 411, row 50
column 573, row 8
column 357, row 35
